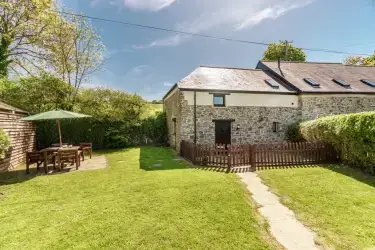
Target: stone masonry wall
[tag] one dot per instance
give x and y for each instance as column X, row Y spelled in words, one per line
column 318, row 106
column 255, row 122
column 172, row 110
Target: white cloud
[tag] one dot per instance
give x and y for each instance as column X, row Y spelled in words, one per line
column 239, row 14
column 147, row 5
column 271, row 13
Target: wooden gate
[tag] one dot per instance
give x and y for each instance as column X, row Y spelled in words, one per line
column 257, row 155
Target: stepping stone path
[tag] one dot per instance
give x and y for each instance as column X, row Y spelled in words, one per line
column 284, row 226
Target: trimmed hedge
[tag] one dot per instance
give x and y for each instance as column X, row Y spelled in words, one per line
column 104, row 133
column 293, row 133
column 352, row 135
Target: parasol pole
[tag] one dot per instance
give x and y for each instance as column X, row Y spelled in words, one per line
column 58, row 125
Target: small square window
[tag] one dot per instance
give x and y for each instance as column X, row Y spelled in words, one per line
column 276, row 127
column 219, row 100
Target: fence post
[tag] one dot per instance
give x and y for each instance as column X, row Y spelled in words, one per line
column 229, row 159
column 252, row 156
column 194, row 154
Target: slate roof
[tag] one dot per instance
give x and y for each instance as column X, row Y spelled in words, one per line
column 323, row 73
column 231, row 79
column 5, row 106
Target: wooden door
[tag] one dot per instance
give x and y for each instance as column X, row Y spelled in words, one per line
column 223, row 132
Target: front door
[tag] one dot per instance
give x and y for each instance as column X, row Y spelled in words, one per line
column 223, row 132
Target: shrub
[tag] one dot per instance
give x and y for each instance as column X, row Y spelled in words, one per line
column 4, row 143
column 104, row 133
column 352, row 135
column 293, row 133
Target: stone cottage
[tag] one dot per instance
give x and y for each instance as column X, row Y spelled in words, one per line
column 236, row 105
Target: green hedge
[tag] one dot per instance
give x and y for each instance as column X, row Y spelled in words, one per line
column 293, row 133
column 4, row 143
column 352, row 135
column 104, row 133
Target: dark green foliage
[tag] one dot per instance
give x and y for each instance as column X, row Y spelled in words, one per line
column 37, row 94
column 5, row 42
column 277, row 51
column 154, row 128
column 104, row 133
column 293, row 133
column 116, row 115
column 110, row 104
column 353, row 135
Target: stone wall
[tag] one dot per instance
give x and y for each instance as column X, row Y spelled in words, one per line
column 256, row 123
column 317, row 106
column 172, row 110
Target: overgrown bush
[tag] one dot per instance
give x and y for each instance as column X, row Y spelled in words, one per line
column 293, row 133
column 105, row 133
column 4, row 143
column 352, row 135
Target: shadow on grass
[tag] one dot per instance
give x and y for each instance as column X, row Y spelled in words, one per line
column 288, row 167
column 354, row 173
column 19, row 175
column 160, row 158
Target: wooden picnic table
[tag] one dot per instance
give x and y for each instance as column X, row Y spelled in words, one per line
column 45, row 152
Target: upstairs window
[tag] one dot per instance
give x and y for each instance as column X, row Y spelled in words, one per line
column 368, row 82
column 272, row 83
column 341, row 82
column 312, row 82
column 219, row 100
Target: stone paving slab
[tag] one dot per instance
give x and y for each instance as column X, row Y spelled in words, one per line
column 284, row 226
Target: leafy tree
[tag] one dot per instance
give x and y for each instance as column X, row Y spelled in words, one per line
column 278, row 50
column 24, row 25
column 110, row 104
column 76, row 50
column 37, row 94
column 360, row 60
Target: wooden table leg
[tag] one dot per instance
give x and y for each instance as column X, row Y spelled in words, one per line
column 45, row 163
column 77, row 160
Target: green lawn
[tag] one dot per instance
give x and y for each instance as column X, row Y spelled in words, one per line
column 337, row 202
column 132, row 204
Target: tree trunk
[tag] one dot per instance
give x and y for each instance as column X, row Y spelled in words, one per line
column 4, row 55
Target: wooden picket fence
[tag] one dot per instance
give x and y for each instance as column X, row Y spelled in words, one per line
column 258, row 155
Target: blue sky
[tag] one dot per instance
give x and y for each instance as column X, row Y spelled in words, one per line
column 148, row 62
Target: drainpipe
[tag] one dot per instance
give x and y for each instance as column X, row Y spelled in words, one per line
column 195, row 117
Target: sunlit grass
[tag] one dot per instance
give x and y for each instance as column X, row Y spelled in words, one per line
column 145, row 199
column 336, row 201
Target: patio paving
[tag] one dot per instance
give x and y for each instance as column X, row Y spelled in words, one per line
column 96, row 162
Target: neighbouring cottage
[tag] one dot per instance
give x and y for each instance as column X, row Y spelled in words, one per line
column 22, row 135
column 235, row 105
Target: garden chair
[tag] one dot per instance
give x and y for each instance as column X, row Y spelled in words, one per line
column 85, row 146
column 70, row 156
column 32, row 158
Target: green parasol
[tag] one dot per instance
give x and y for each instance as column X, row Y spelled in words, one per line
column 55, row 115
